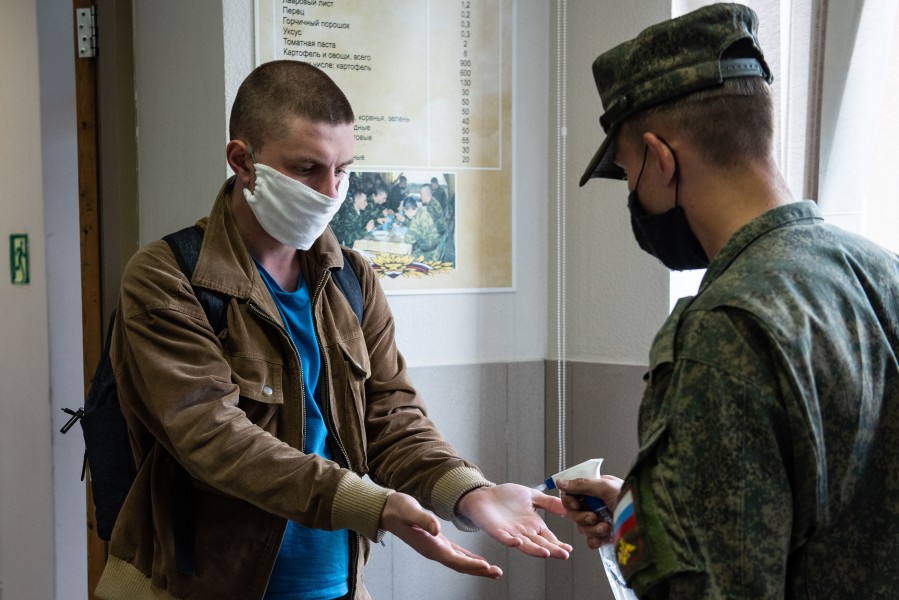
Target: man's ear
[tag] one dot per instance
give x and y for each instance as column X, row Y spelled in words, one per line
column 661, row 153
column 241, row 162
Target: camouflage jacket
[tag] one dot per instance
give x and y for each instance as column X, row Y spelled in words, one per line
column 438, row 214
column 375, row 211
column 768, row 463
column 422, row 234
column 349, row 224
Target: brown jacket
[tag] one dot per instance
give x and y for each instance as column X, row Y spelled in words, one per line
column 229, row 409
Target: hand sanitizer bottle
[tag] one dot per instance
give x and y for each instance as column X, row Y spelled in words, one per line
column 589, row 469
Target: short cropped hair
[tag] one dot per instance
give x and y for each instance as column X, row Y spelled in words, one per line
column 277, row 91
column 728, row 125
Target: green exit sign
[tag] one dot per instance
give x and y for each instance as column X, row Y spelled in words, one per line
column 18, row 258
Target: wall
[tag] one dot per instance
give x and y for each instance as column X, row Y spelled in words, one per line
column 493, row 415
column 615, row 296
column 60, row 193
column 26, row 492
column 117, row 134
column 601, row 417
column 179, row 94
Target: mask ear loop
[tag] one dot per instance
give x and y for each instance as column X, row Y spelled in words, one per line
column 676, row 171
column 642, row 166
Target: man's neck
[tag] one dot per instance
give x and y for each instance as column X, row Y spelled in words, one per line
column 728, row 200
column 282, row 262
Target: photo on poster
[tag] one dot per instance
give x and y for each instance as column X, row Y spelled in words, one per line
column 404, row 223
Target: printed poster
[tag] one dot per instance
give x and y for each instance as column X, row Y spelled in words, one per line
column 430, row 200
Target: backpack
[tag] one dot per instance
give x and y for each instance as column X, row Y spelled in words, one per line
column 107, row 449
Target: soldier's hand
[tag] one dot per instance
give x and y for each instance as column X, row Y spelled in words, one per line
column 607, row 488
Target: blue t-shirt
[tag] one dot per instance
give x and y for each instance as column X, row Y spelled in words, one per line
column 313, row 564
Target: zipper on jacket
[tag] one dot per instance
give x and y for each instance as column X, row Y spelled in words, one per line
column 326, row 404
column 329, row 422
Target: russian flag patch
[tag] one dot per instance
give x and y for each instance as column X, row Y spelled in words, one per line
column 626, row 532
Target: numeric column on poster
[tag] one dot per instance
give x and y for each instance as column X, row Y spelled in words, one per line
column 466, row 84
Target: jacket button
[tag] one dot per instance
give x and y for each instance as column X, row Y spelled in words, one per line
column 266, row 391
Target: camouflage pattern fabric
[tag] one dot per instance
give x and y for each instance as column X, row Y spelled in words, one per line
column 375, row 211
column 437, row 214
column 348, row 224
column 672, row 59
column 423, row 235
column 769, row 462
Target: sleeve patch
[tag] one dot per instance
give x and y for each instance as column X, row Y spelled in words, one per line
column 627, row 536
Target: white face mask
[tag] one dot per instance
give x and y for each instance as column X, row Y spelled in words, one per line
column 289, row 211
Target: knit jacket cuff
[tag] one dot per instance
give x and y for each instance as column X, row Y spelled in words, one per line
column 452, row 486
column 358, row 505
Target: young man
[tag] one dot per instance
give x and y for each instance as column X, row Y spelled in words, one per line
column 768, row 463
column 274, row 420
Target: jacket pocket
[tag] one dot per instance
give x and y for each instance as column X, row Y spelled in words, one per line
column 355, row 352
column 350, row 369
column 258, row 379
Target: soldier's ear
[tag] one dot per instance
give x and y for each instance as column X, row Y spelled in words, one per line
column 660, row 152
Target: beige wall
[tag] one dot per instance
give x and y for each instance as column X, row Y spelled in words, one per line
column 616, row 297
column 26, row 494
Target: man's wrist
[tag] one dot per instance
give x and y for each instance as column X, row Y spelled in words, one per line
column 459, row 509
column 450, row 488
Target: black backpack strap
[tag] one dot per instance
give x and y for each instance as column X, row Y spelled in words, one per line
column 347, row 280
column 185, row 245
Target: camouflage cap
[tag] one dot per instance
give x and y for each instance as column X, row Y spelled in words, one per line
column 673, row 58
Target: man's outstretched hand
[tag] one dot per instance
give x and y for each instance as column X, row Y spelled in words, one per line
column 404, row 517
column 508, row 514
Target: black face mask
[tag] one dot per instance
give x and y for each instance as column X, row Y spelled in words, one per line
column 666, row 236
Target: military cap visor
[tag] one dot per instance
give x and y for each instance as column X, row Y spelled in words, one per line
column 603, row 162
column 678, row 57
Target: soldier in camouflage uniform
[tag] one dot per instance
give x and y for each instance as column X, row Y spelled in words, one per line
column 768, row 464
column 438, row 215
column 429, row 201
column 353, row 220
column 378, row 210
column 422, row 232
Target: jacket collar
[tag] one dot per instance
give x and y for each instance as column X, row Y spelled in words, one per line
column 775, row 218
column 225, row 265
